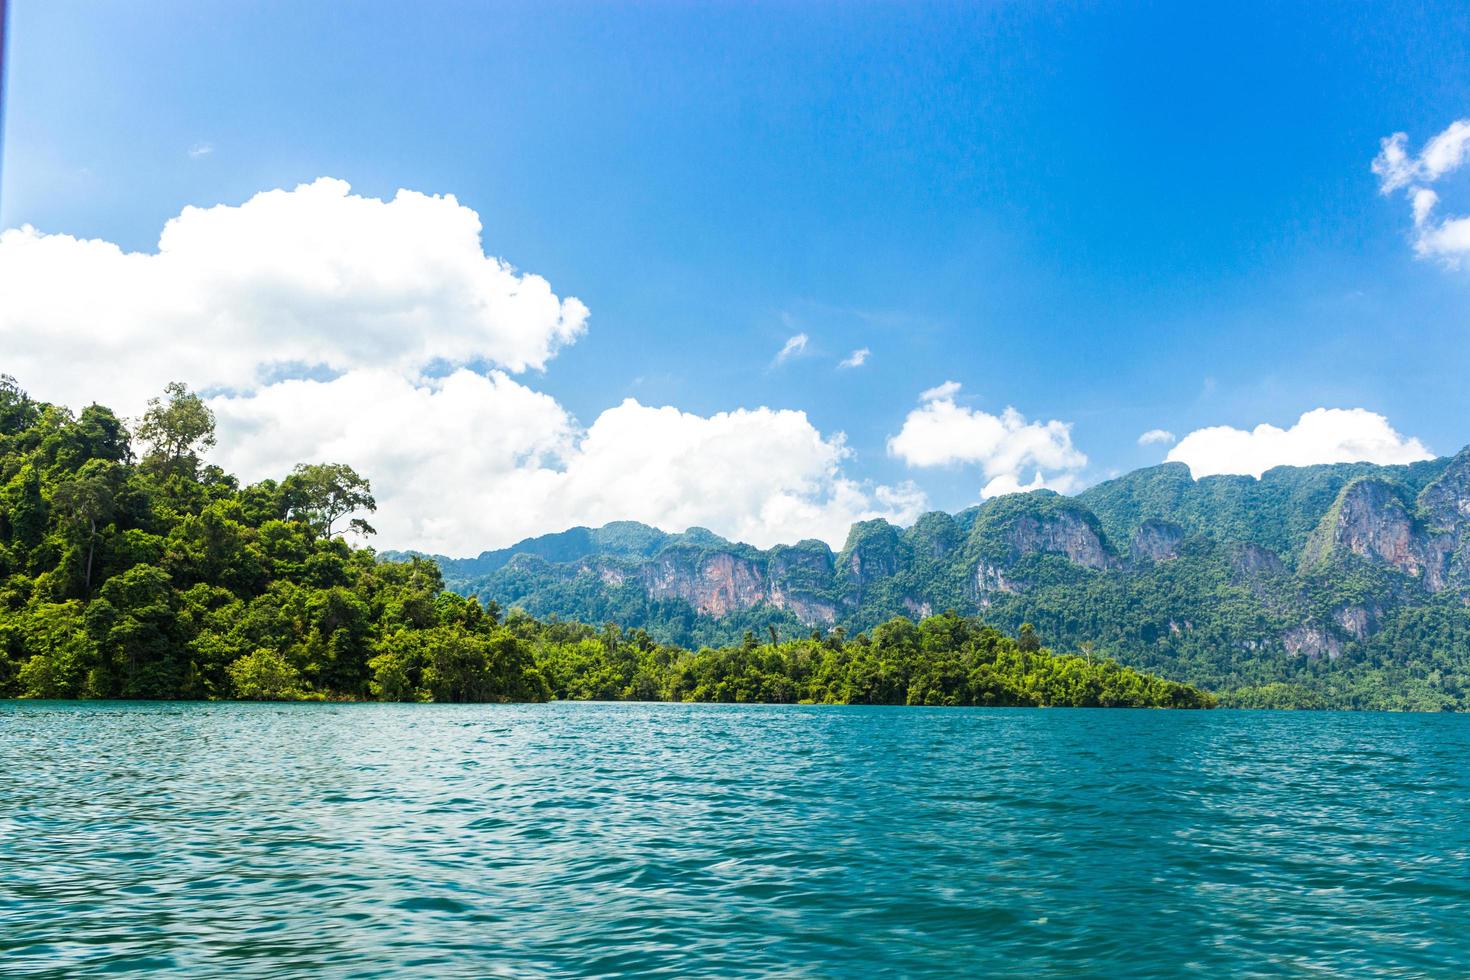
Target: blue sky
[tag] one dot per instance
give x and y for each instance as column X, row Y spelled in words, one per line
column 1120, row 216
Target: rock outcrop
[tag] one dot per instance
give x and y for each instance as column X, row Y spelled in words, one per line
column 991, row 579
column 1445, row 506
column 1358, row 622
column 1063, row 533
column 719, row 582
column 1445, row 502
column 1252, row 563
column 1017, row 526
column 1371, row 521
column 1156, row 541
column 1311, row 641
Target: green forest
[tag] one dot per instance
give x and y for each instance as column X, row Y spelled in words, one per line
column 1201, row 581
column 132, row 568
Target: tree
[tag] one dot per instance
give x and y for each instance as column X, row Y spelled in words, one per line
column 176, row 431
column 16, row 408
column 264, row 675
column 25, row 525
column 86, row 500
column 102, row 434
column 1027, row 639
column 321, row 494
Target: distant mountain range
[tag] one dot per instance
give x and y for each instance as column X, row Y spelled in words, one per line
column 1338, row 586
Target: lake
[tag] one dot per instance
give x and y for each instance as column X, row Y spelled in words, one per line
column 575, row 840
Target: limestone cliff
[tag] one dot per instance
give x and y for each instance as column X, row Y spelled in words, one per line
column 1370, row 520
column 1156, row 540
column 1328, row 563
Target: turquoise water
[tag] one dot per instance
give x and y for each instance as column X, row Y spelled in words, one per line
column 597, row 840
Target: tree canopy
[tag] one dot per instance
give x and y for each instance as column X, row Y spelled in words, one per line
column 163, row 577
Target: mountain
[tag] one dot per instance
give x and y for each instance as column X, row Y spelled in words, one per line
column 1343, row 585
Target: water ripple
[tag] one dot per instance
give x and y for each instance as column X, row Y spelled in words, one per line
column 669, row 840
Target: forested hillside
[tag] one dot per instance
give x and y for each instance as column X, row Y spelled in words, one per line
column 1325, row 586
column 131, row 568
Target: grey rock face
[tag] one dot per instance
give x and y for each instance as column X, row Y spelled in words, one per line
column 1156, row 541
column 1252, row 563
column 1311, row 641
column 1445, row 504
column 1061, row 533
column 1372, row 522
column 1357, row 621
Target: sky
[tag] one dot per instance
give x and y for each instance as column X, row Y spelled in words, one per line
column 763, row 268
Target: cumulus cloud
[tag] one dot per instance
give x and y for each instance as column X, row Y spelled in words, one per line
column 793, row 347
column 940, row 432
column 1154, row 437
column 1323, row 435
column 329, row 327
column 857, row 358
column 1447, row 238
column 472, row 461
column 312, row 277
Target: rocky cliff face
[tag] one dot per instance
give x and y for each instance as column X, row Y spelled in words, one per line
column 715, row 583
column 1445, row 506
column 875, row 552
column 1446, row 502
column 1156, row 541
column 1311, row 641
column 990, row 579
column 1251, row 564
column 1359, row 622
column 1062, row 533
column 1015, row 527
column 718, row 583
column 1371, row 521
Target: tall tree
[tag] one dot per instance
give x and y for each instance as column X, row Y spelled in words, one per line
column 177, row 429
column 87, row 500
column 16, row 408
column 321, row 494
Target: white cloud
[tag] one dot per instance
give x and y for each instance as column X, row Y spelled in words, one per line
column 1448, row 238
column 199, row 150
column 857, row 358
column 792, row 348
column 410, row 332
column 940, row 392
column 469, row 462
column 1011, row 483
column 1154, row 437
column 1323, row 435
column 314, row 276
column 1005, row 447
column 1441, row 155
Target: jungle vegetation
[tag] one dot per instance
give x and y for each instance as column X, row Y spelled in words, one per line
column 132, row 568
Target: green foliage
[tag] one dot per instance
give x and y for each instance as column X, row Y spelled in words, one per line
column 321, row 494
column 162, row 578
column 176, row 429
column 942, row 660
column 265, row 675
column 1248, row 566
column 165, row 579
column 1278, row 511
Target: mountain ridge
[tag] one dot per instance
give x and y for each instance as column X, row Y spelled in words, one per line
column 1309, row 577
